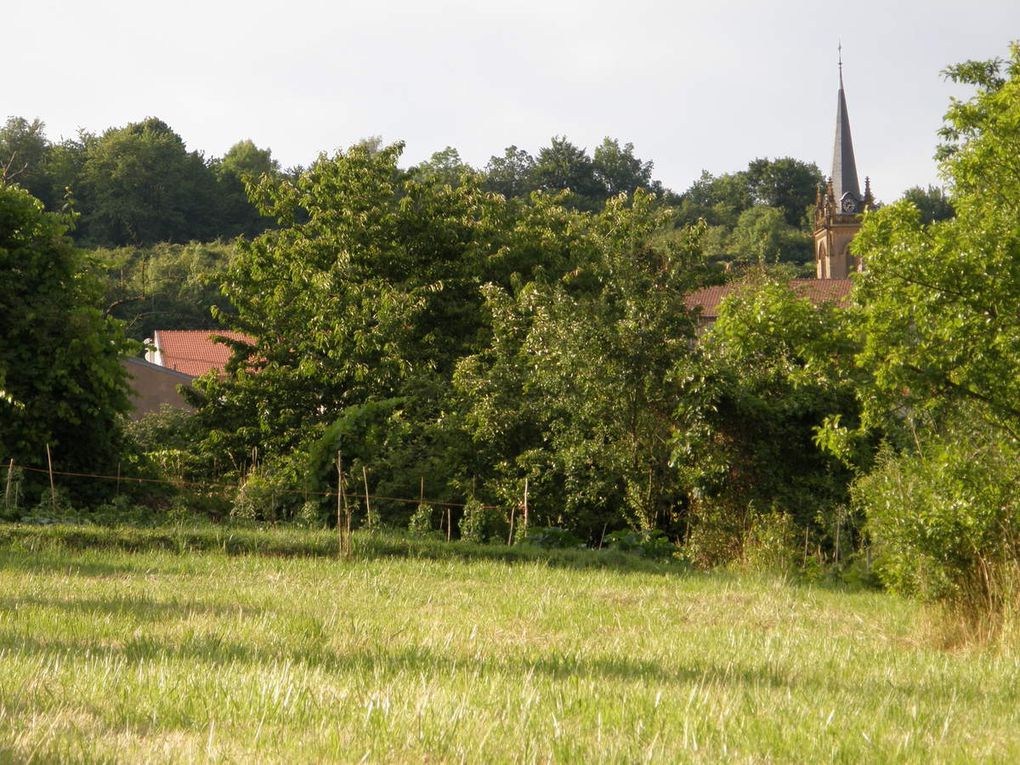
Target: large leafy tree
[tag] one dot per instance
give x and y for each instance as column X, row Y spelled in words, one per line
column 575, row 391
column 941, row 299
column 619, row 171
column 563, row 166
column 785, row 183
column 511, row 175
column 770, row 372
column 141, row 185
column 939, row 302
column 243, row 163
column 61, row 382
column 932, row 202
column 166, row 286
column 24, row 156
column 444, row 166
column 367, row 291
column 718, row 200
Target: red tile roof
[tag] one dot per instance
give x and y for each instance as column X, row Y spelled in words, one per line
column 708, row 299
column 194, row 352
column 823, row 290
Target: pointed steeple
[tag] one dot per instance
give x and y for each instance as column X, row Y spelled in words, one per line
column 844, row 168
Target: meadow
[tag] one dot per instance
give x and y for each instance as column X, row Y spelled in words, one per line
column 221, row 646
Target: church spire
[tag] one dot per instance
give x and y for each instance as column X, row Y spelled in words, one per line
column 844, row 168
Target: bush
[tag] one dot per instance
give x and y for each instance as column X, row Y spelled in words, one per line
column 945, row 521
column 715, row 533
column 653, row 544
column 310, row 515
column 260, row 497
column 551, row 538
column 421, row 520
column 480, row 523
column 53, row 507
column 771, row 544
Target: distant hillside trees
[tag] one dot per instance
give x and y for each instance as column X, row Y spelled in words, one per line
column 164, row 286
column 756, row 216
column 591, row 179
column 932, row 202
column 138, row 184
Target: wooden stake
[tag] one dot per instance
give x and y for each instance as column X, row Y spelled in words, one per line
column 340, row 494
column 53, row 486
column 510, row 538
column 343, row 520
column 368, row 507
column 7, row 491
column 525, row 503
column 449, row 524
column 836, row 554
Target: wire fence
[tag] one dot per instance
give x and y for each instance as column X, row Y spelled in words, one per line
column 11, row 467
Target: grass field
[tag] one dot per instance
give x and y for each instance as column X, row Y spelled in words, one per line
column 116, row 647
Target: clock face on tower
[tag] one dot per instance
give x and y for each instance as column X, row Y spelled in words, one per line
column 849, row 205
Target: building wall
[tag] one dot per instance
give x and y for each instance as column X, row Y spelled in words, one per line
column 832, row 257
column 153, row 386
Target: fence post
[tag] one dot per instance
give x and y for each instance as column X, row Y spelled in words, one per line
column 525, row 519
column 368, row 506
column 343, row 527
column 53, row 486
column 7, row 491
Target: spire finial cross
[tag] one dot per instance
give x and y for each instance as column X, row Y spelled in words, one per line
column 839, row 48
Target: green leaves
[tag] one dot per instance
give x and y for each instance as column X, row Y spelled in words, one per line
column 59, row 355
column 575, row 390
column 772, row 369
column 940, row 300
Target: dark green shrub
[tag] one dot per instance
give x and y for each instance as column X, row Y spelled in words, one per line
column 261, row 497
column 420, row 523
column 551, row 538
column 716, row 531
column 653, row 544
column 481, row 523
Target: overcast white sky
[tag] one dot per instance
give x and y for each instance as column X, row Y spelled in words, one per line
column 694, row 85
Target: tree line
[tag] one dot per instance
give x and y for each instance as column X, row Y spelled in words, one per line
column 139, row 185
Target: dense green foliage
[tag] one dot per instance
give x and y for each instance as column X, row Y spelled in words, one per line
column 575, row 390
column 428, row 330
column 61, row 382
column 138, row 184
column 770, row 372
column 756, row 216
column 165, row 286
column 942, row 347
column 517, row 338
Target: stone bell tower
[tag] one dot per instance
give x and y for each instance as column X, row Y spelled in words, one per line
column 840, row 206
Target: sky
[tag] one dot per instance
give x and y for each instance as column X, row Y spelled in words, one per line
column 695, row 86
